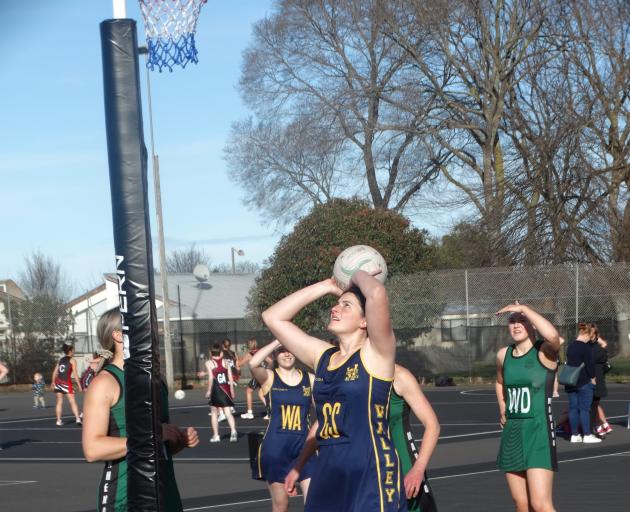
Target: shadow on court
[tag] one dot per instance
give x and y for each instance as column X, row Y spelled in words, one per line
column 42, row 467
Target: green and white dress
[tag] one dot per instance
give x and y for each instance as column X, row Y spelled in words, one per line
column 402, row 437
column 528, row 439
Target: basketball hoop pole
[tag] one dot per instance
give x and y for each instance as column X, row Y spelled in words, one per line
column 166, row 303
column 120, row 9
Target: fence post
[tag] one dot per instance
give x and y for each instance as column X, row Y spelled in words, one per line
column 10, row 318
column 577, row 292
column 183, row 384
column 470, row 347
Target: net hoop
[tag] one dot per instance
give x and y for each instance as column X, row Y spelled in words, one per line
column 170, row 27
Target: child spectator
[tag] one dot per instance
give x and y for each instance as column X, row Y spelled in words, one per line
column 39, row 387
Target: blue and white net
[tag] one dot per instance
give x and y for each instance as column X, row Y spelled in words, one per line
column 170, row 27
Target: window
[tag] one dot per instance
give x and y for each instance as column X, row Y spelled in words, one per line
column 453, row 330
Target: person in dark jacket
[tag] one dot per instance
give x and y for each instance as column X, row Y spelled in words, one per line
column 581, row 395
column 599, row 422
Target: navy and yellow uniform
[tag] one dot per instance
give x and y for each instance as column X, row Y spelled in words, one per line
column 528, row 438
column 286, row 432
column 112, row 492
column 357, row 469
column 402, row 437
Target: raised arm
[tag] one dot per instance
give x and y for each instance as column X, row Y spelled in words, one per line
column 379, row 324
column 278, row 318
column 262, row 375
column 407, row 386
column 544, row 327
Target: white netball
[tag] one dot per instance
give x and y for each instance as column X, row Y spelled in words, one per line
column 358, row 257
column 180, row 394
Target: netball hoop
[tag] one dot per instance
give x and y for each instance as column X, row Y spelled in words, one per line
column 170, row 27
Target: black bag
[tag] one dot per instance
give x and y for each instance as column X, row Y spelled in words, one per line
column 569, row 375
column 254, row 439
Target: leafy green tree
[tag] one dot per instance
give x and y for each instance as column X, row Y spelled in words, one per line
column 464, row 246
column 307, row 255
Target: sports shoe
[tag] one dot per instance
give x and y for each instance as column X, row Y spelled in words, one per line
column 576, row 438
column 78, row 421
column 249, row 415
column 266, row 417
column 59, row 423
column 233, row 410
column 556, row 394
column 215, row 439
column 234, row 436
column 221, row 416
column 591, row 439
column 607, row 428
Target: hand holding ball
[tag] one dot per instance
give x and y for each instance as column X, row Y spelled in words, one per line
column 180, row 394
column 358, row 257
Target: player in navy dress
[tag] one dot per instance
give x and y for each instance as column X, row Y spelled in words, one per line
column 288, row 392
column 357, row 467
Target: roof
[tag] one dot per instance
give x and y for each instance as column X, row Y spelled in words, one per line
column 10, row 287
column 222, row 296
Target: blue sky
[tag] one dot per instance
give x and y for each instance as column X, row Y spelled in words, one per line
column 54, row 180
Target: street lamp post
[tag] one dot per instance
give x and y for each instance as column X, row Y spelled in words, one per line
column 240, row 252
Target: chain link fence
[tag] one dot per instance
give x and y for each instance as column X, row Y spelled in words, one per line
column 445, row 321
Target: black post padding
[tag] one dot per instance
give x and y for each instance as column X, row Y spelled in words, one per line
column 134, row 265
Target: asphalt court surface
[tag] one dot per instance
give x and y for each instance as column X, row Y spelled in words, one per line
column 42, row 466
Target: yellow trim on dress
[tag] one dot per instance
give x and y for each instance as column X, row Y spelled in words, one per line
column 333, row 368
column 268, row 424
column 376, row 457
column 319, row 357
column 384, row 379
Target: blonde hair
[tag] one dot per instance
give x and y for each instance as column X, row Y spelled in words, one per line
column 109, row 322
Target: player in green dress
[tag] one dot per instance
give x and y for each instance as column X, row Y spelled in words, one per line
column 104, row 436
column 407, row 396
column 524, row 387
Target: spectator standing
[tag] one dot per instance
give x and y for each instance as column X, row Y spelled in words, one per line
column 581, row 395
column 599, row 422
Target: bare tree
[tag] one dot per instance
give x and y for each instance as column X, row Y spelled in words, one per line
column 183, row 261
column 328, row 65
column 478, row 46
column 44, row 277
column 285, row 170
column 599, row 43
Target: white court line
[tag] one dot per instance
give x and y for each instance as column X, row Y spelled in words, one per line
column 235, row 503
column 559, row 462
column 5, row 483
column 463, row 435
column 431, row 479
column 74, row 459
